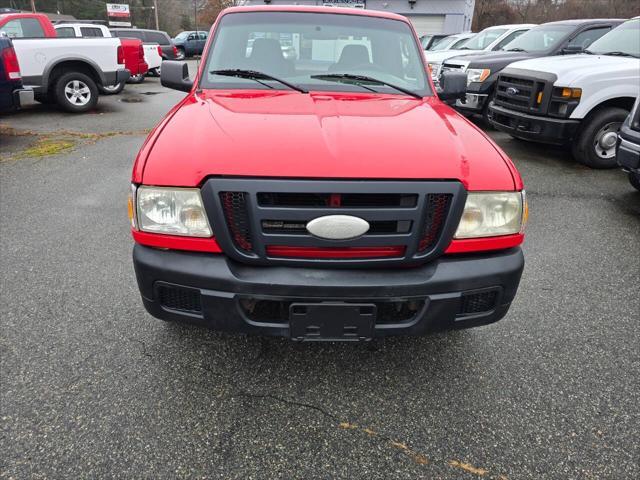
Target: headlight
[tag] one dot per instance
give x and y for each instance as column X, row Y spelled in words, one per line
column 434, row 68
column 491, row 214
column 477, row 75
column 173, row 211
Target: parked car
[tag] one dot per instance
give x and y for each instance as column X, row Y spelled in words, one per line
column 628, row 154
column 554, row 38
column 169, row 50
column 67, row 71
column 432, row 39
column 452, row 42
column 488, row 40
column 190, row 43
column 135, row 53
column 12, row 93
column 579, row 100
column 402, row 218
column 151, row 52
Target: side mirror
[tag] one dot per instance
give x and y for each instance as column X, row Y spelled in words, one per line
column 453, row 85
column 175, row 75
column 571, row 49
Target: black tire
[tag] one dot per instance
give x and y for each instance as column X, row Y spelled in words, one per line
column 485, row 110
column 112, row 89
column 634, row 180
column 154, row 72
column 135, row 79
column 71, row 83
column 600, row 126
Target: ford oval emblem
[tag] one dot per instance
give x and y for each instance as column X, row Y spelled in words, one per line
column 338, row 227
column 512, row 91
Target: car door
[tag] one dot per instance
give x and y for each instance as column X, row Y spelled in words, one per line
column 202, row 40
column 191, row 44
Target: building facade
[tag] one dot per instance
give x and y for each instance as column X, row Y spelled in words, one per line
column 427, row 16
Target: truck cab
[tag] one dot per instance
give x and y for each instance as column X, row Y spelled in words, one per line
column 328, row 194
column 578, row 100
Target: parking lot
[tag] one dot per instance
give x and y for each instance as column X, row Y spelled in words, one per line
column 92, row 386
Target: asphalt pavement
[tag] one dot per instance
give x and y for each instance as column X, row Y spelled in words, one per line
column 91, row 386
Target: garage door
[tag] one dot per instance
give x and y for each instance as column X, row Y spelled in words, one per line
column 427, row 23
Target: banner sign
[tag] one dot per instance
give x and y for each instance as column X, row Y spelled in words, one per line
column 119, row 24
column 117, row 10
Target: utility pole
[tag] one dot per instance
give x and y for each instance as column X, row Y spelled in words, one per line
column 155, row 11
column 33, row 6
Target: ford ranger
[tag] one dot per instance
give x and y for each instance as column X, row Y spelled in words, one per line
column 554, row 38
column 577, row 100
column 330, row 195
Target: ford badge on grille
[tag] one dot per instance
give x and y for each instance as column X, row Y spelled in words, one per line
column 338, row 227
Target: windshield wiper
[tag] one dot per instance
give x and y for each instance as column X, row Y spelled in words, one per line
column 364, row 78
column 257, row 76
column 618, row 54
column 516, row 49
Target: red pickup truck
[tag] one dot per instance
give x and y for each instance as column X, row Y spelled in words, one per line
column 312, row 185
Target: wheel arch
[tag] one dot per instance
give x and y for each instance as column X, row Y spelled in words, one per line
column 83, row 65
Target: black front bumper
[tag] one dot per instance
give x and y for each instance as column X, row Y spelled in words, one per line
column 530, row 127
column 628, row 154
column 443, row 289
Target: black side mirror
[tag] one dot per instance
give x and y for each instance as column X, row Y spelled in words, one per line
column 453, row 85
column 571, row 49
column 175, row 75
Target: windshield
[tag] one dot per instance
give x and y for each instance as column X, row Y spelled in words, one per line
column 445, row 43
column 484, row 39
column 625, row 39
column 182, row 35
column 540, row 39
column 296, row 47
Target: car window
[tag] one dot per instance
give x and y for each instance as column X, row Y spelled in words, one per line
column 460, row 43
column 541, row 39
column 298, row 46
column 202, row 35
column 91, row 32
column 157, row 37
column 586, row 38
column 65, row 32
column 129, row 34
column 484, row 38
column 23, row 28
column 193, row 36
column 508, row 39
column 624, row 39
column 443, row 44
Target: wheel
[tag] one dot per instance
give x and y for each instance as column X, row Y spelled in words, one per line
column 135, row 79
column 76, row 92
column 112, row 89
column 485, row 110
column 634, row 180
column 595, row 145
column 154, row 72
column 181, row 53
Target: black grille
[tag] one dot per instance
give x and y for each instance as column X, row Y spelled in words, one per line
column 522, row 94
column 437, row 208
column 480, row 302
column 236, row 214
column 263, row 216
column 179, row 298
column 277, row 311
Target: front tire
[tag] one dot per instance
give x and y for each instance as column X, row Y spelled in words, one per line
column 634, row 180
column 112, row 89
column 76, row 92
column 595, row 145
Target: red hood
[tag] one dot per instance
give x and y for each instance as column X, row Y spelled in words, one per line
column 321, row 135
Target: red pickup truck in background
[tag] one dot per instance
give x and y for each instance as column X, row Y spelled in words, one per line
column 38, row 25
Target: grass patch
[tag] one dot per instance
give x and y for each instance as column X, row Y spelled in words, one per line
column 46, row 147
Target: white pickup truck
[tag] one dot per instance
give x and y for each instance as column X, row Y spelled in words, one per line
column 577, row 100
column 67, row 71
column 152, row 55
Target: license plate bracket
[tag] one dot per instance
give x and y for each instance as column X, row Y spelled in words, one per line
column 337, row 321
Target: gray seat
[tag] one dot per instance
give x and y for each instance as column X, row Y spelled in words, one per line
column 351, row 56
column 266, row 56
